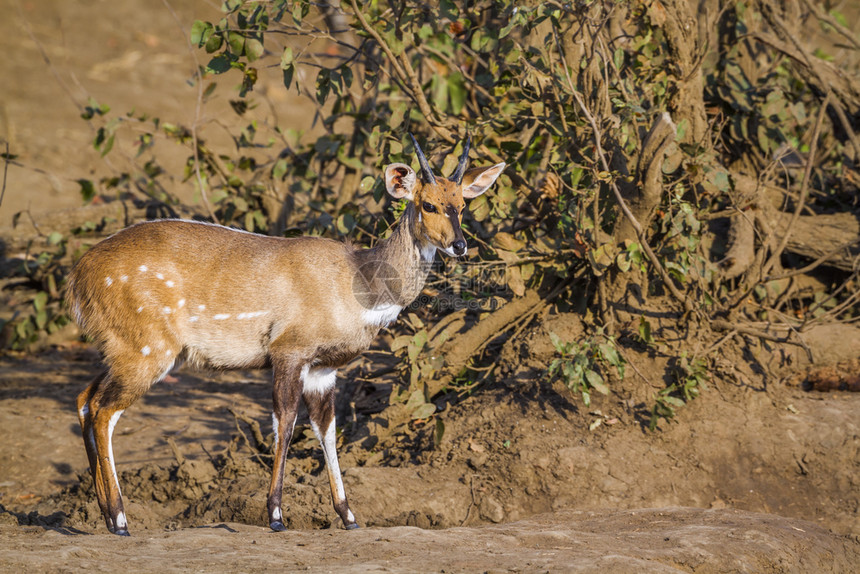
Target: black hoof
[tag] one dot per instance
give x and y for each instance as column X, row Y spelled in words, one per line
column 277, row 526
column 352, row 526
column 122, row 532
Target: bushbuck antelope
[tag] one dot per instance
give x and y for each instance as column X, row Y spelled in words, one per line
column 162, row 292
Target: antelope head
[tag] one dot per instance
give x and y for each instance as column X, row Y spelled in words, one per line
column 440, row 202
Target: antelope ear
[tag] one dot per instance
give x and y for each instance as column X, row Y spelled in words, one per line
column 479, row 179
column 400, row 180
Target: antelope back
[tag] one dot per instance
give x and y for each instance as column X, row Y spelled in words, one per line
column 223, row 295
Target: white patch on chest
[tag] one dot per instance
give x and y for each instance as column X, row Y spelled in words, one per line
column 428, row 252
column 381, row 316
column 318, row 380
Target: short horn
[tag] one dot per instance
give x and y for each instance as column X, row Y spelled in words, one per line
column 457, row 176
column 426, row 172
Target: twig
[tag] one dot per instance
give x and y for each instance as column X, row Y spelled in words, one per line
column 831, row 21
column 5, row 171
column 813, row 265
column 260, row 445
column 640, row 233
column 403, row 68
column 45, row 57
column 722, row 325
column 804, row 188
column 180, row 460
column 197, row 109
column 846, row 125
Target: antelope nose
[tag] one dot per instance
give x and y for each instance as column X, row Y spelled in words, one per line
column 459, row 247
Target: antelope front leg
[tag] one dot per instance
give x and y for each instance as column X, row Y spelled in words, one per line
column 104, row 421
column 286, row 395
column 86, row 420
column 319, row 399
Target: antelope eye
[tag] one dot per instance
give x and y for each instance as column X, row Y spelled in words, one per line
column 428, row 207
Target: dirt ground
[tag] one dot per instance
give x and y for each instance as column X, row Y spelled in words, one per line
column 758, row 475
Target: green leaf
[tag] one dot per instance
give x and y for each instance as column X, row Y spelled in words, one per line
column 480, row 208
column 457, row 92
column 219, row 64
column 556, row 342
column 39, row 301
column 400, row 342
column 214, row 43
column 367, row 184
column 288, row 76
column 287, row 58
column 645, row 330
column 236, row 42
column 417, row 343
column 323, row 85
column 416, row 399
column 88, row 190
column 229, row 6
column 596, row 381
column 280, row 169
column 41, row 319
column 424, row 411
column 618, row 58
column 201, row 32
column 438, row 433
column 674, row 401
column 253, row 49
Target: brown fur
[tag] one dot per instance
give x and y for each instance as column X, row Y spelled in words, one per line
column 162, row 292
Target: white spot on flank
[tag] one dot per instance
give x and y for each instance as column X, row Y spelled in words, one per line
column 201, row 307
column 193, row 319
column 108, row 281
column 139, row 309
column 145, row 351
column 142, row 268
column 382, row 315
column 159, row 276
column 250, row 315
column 168, row 352
column 167, row 310
column 124, row 278
column 221, row 316
column 180, row 304
column 169, row 283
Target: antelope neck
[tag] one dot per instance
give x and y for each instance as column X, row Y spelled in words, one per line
column 397, row 267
